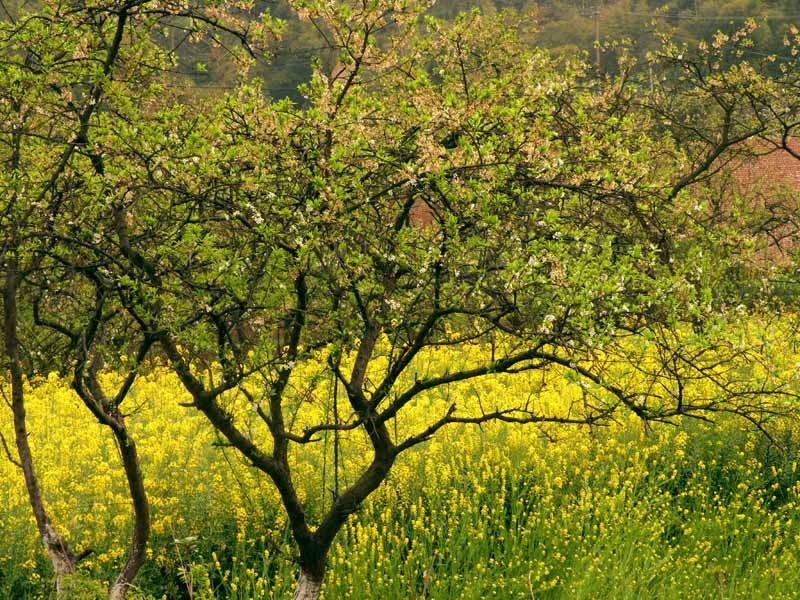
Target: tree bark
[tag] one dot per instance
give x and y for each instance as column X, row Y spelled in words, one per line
column 141, row 519
column 109, row 414
column 308, row 586
column 58, row 549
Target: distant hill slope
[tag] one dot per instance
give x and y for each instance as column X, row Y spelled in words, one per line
column 565, row 26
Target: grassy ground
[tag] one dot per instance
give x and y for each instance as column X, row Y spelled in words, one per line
column 692, row 511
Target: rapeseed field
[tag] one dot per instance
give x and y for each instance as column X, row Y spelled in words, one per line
column 690, row 510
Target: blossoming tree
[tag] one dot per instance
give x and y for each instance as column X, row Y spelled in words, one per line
column 443, row 186
column 67, row 69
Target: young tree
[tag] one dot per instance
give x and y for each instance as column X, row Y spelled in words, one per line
column 65, row 70
column 444, row 186
column 91, row 330
column 51, row 91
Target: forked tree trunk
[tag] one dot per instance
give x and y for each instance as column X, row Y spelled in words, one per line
column 109, row 414
column 308, row 587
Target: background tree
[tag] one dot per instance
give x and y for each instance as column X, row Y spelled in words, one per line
column 726, row 109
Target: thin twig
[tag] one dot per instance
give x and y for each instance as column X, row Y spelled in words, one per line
column 427, row 576
column 530, row 585
column 8, row 452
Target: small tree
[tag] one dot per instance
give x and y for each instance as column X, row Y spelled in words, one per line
column 51, row 93
column 441, row 188
column 65, row 71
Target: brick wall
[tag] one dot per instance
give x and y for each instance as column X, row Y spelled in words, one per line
column 769, row 181
column 771, row 169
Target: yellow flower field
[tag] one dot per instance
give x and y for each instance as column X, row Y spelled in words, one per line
column 500, row 511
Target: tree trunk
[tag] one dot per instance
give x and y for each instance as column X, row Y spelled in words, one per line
column 308, row 586
column 61, row 557
column 141, row 512
column 59, row 551
column 110, row 415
